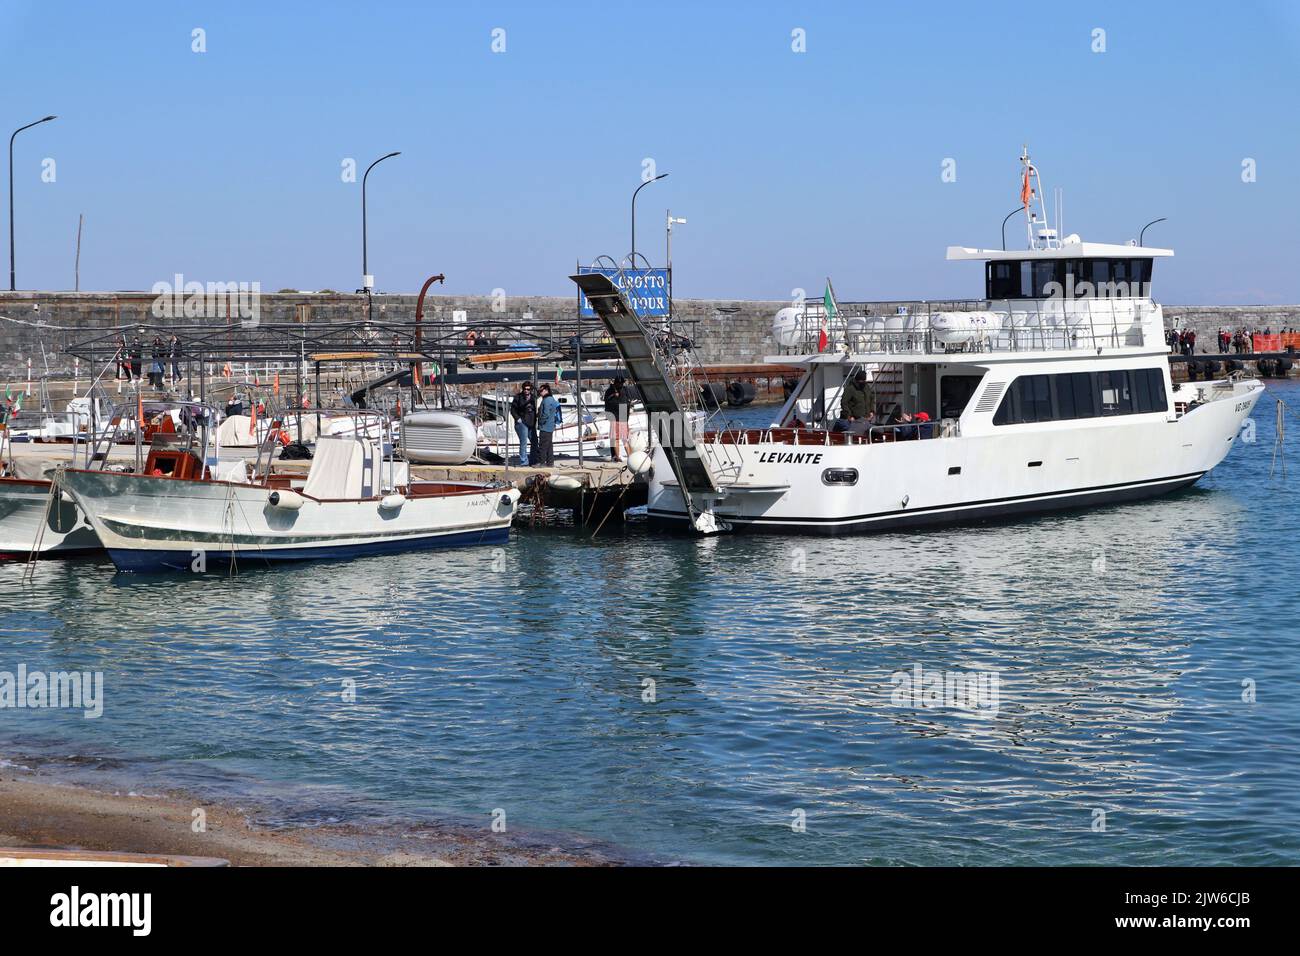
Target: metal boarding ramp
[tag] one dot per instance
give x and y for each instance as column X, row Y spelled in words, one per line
column 649, row 374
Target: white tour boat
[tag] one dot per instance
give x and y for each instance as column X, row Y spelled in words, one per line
column 1052, row 392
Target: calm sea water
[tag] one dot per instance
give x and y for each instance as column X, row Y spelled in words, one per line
column 1124, row 641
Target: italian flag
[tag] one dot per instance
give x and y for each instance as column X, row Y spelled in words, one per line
column 828, row 302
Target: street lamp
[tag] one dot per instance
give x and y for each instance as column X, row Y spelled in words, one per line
column 634, row 192
column 668, row 237
column 1148, row 226
column 12, row 283
column 1004, row 226
column 668, row 257
column 367, row 280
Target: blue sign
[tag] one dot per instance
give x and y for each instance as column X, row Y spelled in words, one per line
column 646, row 290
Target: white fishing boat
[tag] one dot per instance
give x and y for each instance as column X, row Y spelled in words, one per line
column 353, row 501
column 1052, row 392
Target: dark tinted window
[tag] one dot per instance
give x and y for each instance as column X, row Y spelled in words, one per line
column 1047, row 271
column 1046, row 398
column 1074, row 396
column 1116, row 399
column 1035, row 398
column 1150, row 389
column 1003, row 280
column 1028, row 279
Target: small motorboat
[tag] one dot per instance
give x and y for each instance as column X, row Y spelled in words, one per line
column 354, row 501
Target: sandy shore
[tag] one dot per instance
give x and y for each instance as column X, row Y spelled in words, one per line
column 36, row 812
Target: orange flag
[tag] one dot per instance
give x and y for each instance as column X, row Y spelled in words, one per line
column 277, row 383
column 1025, row 191
column 252, row 419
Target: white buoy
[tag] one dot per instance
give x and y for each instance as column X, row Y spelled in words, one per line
column 564, row 483
column 392, row 502
column 638, row 462
column 288, row 500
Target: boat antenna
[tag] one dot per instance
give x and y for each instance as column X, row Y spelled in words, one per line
column 1029, row 179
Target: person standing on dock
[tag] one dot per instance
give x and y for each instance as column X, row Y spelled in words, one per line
column 175, row 349
column 548, row 419
column 616, row 407
column 524, row 411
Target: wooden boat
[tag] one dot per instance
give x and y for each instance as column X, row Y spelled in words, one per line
column 352, row 502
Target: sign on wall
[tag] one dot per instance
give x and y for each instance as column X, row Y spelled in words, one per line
column 646, row 289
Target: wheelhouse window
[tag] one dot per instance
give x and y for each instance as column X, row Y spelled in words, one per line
column 1030, row 279
column 1073, row 395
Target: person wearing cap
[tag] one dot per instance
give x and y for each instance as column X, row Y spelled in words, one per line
column 524, row 411
column 617, row 410
column 548, row 419
column 856, row 403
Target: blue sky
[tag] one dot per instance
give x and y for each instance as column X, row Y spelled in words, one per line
column 226, row 165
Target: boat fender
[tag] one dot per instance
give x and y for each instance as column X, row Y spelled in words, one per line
column 564, row 483
column 392, row 502
column 638, row 462
column 640, row 442
column 288, row 500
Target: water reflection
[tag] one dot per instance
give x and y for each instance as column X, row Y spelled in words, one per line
column 1120, row 638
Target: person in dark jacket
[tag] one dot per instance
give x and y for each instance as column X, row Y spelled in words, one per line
column 524, row 412
column 174, row 348
column 548, row 419
column 156, row 368
column 856, row 403
column 616, row 407
column 137, row 357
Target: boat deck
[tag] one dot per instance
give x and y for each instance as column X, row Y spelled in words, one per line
column 603, row 487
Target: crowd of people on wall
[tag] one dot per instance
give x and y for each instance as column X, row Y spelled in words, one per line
column 1242, row 341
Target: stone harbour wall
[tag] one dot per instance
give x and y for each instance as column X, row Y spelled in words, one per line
column 39, row 326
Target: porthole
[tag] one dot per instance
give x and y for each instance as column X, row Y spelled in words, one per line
column 840, row 476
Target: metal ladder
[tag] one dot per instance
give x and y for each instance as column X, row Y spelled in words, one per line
column 652, row 374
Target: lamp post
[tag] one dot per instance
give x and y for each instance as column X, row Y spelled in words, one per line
column 367, row 280
column 634, row 192
column 12, row 282
column 1148, row 226
column 668, row 257
column 1004, row 226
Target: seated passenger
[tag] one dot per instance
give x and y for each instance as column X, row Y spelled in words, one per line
column 855, row 404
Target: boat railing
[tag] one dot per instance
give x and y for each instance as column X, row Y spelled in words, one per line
column 824, row 437
column 198, row 421
column 998, row 325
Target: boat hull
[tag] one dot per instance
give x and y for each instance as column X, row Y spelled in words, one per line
column 150, row 523
column 1024, row 470
column 24, row 509
column 162, row 560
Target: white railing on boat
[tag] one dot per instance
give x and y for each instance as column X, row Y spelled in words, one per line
column 1022, row 325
